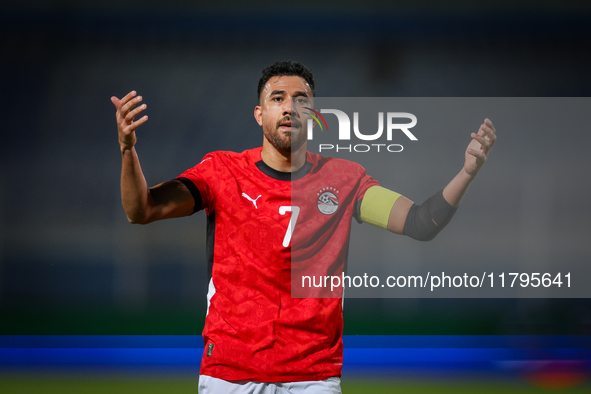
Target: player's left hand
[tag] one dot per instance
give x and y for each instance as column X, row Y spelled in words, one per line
column 480, row 147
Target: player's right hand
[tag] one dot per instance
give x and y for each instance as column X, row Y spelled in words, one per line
column 125, row 114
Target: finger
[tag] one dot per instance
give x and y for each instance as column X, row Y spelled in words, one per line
column 138, row 123
column 483, row 141
column 129, row 117
column 115, row 101
column 477, row 153
column 129, row 105
column 489, row 134
column 127, row 97
column 486, row 132
column 489, row 123
column 486, row 129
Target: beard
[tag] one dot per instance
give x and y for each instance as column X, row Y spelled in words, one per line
column 285, row 141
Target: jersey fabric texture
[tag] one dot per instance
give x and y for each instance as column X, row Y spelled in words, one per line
column 257, row 224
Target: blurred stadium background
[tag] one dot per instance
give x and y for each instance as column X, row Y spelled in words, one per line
column 71, row 265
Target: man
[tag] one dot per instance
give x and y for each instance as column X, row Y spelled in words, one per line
column 258, row 339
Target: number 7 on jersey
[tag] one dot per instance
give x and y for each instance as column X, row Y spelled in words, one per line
column 295, row 211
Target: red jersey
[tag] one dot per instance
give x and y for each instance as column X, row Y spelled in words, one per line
column 258, row 219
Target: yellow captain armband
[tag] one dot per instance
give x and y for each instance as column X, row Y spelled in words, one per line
column 376, row 206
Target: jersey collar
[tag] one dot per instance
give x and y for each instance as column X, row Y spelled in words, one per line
column 284, row 176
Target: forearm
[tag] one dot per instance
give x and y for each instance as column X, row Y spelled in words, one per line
column 475, row 157
column 134, row 189
column 456, row 189
column 423, row 222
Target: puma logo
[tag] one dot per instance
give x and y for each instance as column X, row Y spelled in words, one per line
column 254, row 202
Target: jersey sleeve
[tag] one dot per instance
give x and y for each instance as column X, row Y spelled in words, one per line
column 365, row 182
column 199, row 179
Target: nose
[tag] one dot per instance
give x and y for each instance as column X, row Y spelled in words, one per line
column 288, row 107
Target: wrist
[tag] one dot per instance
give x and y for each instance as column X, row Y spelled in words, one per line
column 126, row 142
column 126, row 149
column 468, row 175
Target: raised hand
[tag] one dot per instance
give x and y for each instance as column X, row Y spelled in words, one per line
column 479, row 148
column 125, row 114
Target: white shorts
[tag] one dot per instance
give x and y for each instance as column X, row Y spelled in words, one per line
column 209, row 385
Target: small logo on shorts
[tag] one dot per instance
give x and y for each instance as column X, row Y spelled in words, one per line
column 209, row 349
column 328, row 202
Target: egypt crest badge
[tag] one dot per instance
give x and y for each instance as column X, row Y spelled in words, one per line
column 328, row 201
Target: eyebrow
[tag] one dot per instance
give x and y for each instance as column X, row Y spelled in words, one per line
column 296, row 94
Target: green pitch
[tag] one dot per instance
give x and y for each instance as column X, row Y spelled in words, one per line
column 120, row 385
column 431, row 386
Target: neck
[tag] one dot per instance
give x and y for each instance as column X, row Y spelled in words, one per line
column 283, row 161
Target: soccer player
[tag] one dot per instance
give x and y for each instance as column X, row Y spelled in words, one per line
column 258, row 339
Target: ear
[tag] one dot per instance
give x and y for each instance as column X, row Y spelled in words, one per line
column 258, row 115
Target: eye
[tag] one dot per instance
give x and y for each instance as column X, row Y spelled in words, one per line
column 277, row 98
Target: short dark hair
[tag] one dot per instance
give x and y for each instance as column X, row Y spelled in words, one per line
column 286, row 68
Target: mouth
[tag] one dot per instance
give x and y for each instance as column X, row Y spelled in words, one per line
column 289, row 125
